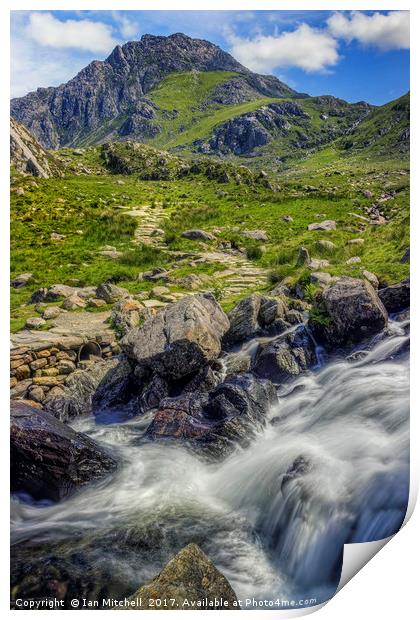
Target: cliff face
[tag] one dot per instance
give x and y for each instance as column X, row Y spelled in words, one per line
column 106, row 91
column 27, row 155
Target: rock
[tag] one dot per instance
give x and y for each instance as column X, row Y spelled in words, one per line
column 57, row 237
column 21, row 280
column 198, row 235
column 346, row 312
column 325, row 225
column 39, row 363
column 158, row 273
column 158, row 291
column 287, row 218
column 192, row 281
column 370, row 277
column 28, row 156
column 49, row 460
column 244, row 319
column 23, row 372
column 34, row 322
column 103, row 383
column 355, row 242
column 20, row 191
column 406, row 256
column 36, row 393
column 151, row 304
column 320, row 278
column 73, row 303
column 353, row 260
column 367, row 193
column 303, row 257
column 65, row 367
column 95, row 303
column 180, row 339
column 324, row 244
column 113, row 254
column 126, row 314
column 257, row 235
column 190, row 575
column 51, row 312
column 111, row 293
column 396, row 297
column 237, row 364
column 216, row 423
column 318, row 263
column 285, row 357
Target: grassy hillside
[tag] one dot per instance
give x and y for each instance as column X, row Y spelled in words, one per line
column 87, row 210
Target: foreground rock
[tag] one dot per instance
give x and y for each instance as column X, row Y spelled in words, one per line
column 49, row 460
column 285, row 357
column 254, row 315
column 396, row 297
column 346, row 312
column 180, row 339
column 216, row 423
column 190, row 576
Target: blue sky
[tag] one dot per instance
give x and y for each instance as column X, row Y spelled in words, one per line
column 362, row 55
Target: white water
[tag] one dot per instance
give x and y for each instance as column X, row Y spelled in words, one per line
column 271, row 534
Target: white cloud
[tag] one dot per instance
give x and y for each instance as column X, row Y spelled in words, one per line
column 127, row 27
column 83, row 34
column 390, row 31
column 308, row 48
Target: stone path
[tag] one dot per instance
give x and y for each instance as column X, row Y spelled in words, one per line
column 240, row 275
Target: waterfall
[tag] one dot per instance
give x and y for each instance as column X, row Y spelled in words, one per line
column 331, row 467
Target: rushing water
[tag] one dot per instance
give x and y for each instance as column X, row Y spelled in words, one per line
column 331, row 467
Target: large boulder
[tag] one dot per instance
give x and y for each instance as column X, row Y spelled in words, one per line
column 346, row 312
column 285, row 357
column 179, row 340
column 396, row 297
column 189, row 576
column 49, row 460
column 216, row 423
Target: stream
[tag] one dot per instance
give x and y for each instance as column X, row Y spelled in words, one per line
column 331, row 467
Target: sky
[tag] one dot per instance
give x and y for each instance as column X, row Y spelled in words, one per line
column 354, row 55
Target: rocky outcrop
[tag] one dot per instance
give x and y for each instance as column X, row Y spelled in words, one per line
column 114, row 89
column 190, row 576
column 285, row 357
column 49, row 460
column 346, row 312
column 28, row 156
column 255, row 315
column 216, row 423
column 396, row 297
column 181, row 339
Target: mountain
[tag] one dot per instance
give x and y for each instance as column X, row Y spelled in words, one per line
column 28, row 156
column 385, row 131
column 112, row 91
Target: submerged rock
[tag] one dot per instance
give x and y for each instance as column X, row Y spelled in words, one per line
column 346, row 312
column 49, row 460
column 190, row 576
column 184, row 337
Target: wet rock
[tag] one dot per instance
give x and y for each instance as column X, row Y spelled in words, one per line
column 346, row 312
column 111, row 293
column 325, row 225
column 189, row 575
column 180, row 339
column 198, row 235
column 216, row 423
column 21, row 280
column 396, row 297
column 100, row 383
column 49, row 460
column 285, row 357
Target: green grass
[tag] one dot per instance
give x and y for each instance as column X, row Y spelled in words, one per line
column 84, row 209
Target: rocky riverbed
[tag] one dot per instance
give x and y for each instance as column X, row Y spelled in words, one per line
column 268, row 437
